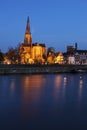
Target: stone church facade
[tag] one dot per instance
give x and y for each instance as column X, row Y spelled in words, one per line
column 31, row 52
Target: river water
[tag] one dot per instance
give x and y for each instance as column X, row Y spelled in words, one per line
column 43, row 102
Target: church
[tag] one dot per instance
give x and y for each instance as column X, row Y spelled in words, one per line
column 31, row 53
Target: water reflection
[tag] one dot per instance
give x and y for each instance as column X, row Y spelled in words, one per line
column 43, row 100
column 32, row 90
column 12, row 87
column 60, row 86
column 65, row 80
column 80, row 86
column 57, row 82
column 32, row 85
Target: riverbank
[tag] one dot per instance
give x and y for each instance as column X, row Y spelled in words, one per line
column 40, row 69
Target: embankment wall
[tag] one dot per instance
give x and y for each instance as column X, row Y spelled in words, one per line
column 39, row 69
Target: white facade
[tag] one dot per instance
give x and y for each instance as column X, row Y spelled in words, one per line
column 71, row 60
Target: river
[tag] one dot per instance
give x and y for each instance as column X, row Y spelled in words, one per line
column 43, row 102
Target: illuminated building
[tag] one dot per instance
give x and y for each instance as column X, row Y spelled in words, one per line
column 59, row 58
column 31, row 52
column 71, row 60
column 76, row 56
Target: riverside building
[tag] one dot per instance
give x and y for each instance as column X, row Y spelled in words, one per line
column 76, row 56
column 31, row 52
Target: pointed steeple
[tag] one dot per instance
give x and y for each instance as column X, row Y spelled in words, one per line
column 28, row 36
column 28, row 26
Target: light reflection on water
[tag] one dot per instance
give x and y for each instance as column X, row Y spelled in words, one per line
column 41, row 101
column 65, row 81
column 80, row 86
column 32, row 91
column 12, row 87
column 57, row 84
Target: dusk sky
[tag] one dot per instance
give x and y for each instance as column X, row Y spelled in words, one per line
column 57, row 23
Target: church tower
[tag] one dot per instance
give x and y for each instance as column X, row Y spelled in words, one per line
column 29, row 53
column 28, row 36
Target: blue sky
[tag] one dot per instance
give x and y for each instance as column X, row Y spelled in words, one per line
column 58, row 23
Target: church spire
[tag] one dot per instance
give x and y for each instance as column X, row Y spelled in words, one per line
column 28, row 36
column 28, row 26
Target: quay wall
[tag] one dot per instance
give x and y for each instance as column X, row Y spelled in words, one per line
column 39, row 69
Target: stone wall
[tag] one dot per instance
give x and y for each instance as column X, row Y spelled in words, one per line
column 40, row 69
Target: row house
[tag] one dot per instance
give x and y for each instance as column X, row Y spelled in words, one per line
column 75, row 56
column 81, row 57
